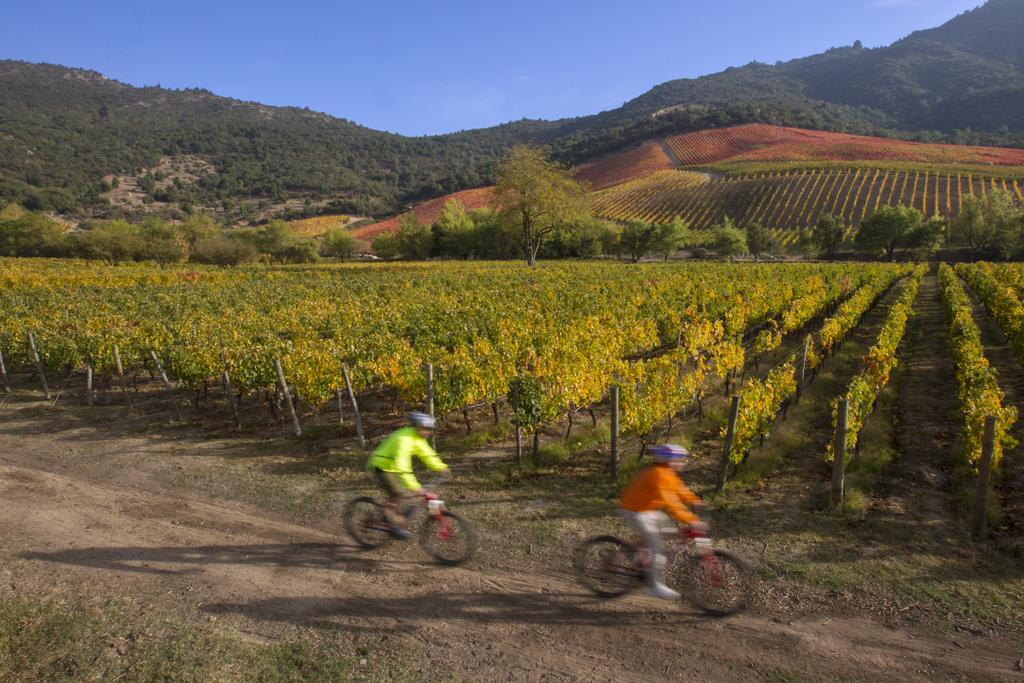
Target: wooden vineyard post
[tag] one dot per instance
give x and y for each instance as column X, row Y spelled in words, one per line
column 88, row 383
column 988, row 447
column 3, row 374
column 355, row 407
column 232, row 399
column 614, row 462
column 428, row 368
column 516, row 426
column 730, row 434
column 839, row 461
column 168, row 386
column 120, row 374
column 803, row 368
column 341, row 406
column 296, row 427
column 39, row 365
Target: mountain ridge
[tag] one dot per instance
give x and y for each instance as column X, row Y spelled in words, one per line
column 67, row 133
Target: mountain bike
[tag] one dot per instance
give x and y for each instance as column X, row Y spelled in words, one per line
column 713, row 580
column 446, row 536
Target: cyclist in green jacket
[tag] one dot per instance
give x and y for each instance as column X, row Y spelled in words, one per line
column 391, row 466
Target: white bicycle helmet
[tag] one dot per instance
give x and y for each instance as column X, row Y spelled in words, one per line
column 668, row 452
column 421, row 420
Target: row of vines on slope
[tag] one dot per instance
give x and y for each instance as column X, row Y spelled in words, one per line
column 1002, row 302
column 762, row 399
column 977, row 383
column 654, row 390
column 879, row 362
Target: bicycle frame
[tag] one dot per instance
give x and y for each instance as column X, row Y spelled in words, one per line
column 713, row 569
column 436, row 508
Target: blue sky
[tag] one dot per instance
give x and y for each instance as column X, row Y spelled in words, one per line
column 438, row 66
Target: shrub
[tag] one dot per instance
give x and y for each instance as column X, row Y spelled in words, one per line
column 221, row 250
column 340, row 243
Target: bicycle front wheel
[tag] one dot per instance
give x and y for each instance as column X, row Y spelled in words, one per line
column 449, row 539
column 720, row 584
column 366, row 524
column 606, row 565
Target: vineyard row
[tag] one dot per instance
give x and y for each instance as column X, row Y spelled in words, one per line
column 564, row 333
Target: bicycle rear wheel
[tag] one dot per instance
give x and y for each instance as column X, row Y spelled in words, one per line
column 366, row 524
column 450, row 540
column 607, row 566
column 720, row 584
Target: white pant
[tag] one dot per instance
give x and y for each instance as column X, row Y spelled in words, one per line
column 652, row 526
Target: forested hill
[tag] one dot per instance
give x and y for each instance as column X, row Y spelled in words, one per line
column 63, row 131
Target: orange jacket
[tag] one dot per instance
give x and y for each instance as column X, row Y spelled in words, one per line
column 659, row 488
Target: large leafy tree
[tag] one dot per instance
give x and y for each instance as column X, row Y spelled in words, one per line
column 728, row 240
column 537, row 196
column 760, row 241
column 339, row 242
column 672, row 236
column 897, row 228
column 413, row 240
column 638, row 238
column 991, row 227
column 827, row 234
column 453, row 232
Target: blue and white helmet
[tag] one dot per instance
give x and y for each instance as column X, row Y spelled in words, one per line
column 669, row 452
column 421, row 420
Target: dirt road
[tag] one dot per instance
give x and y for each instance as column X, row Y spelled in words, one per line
column 83, row 512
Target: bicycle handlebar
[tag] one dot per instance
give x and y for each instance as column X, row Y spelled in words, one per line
column 435, row 482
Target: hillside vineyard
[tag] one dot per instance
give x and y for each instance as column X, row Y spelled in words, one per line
column 790, row 200
column 782, row 178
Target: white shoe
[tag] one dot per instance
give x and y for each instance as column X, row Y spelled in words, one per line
column 660, row 590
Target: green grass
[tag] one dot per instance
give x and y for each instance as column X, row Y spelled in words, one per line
column 480, row 437
column 876, row 454
column 57, row 640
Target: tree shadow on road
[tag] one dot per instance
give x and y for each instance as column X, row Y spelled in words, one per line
column 183, row 560
column 480, row 607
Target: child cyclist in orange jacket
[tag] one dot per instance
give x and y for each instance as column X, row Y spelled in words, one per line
column 644, row 502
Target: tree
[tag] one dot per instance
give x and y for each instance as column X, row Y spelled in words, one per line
column 593, row 237
column 274, row 239
column 340, row 243
column 31, row 234
column 278, row 240
column 827, row 234
column 537, row 196
column 729, row 241
column 221, row 250
column 199, row 226
column 112, row 241
column 932, row 235
column 301, row 251
column 493, row 238
column 412, row 240
column 992, row 227
column 807, row 243
column 638, row 238
column 161, row 242
column 671, row 237
column 759, row 240
column 385, row 245
column 890, row 228
column 453, row 231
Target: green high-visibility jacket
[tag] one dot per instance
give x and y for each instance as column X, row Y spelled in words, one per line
column 395, row 453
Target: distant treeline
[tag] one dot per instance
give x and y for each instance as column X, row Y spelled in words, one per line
column 198, row 239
